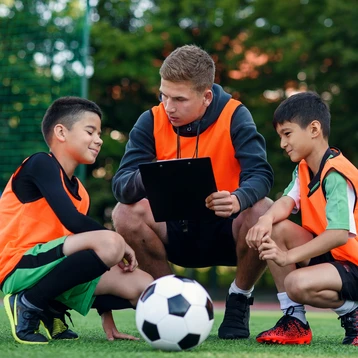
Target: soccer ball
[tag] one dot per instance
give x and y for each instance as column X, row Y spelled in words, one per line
column 174, row 313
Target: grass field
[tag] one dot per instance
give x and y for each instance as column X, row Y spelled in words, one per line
column 327, row 337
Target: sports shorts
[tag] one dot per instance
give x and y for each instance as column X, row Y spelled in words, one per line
column 348, row 272
column 36, row 263
column 201, row 243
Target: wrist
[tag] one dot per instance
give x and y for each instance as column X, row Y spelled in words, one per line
column 266, row 218
column 289, row 258
column 235, row 204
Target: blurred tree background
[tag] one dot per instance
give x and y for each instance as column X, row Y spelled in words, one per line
column 264, row 51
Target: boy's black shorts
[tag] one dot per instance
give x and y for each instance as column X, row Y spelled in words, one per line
column 201, row 243
column 348, row 272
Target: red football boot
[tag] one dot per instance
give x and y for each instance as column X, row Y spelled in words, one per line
column 288, row 330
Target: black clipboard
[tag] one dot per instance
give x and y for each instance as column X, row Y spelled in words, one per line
column 177, row 188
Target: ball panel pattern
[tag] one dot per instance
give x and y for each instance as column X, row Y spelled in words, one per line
column 174, row 313
column 194, row 293
column 155, row 309
column 147, row 292
column 189, row 341
column 197, row 320
column 151, row 331
column 178, row 306
column 172, row 328
column 169, row 286
column 210, row 308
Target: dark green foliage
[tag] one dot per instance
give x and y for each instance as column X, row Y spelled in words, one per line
column 263, row 51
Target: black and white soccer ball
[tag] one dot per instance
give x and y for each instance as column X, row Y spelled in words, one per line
column 174, row 313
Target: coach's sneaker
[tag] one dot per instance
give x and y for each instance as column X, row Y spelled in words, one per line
column 237, row 315
column 288, row 330
column 55, row 325
column 24, row 321
column 350, row 323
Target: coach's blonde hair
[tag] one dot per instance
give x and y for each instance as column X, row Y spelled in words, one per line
column 189, row 63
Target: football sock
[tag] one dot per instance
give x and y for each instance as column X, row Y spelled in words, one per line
column 298, row 310
column 105, row 303
column 347, row 307
column 235, row 289
column 80, row 267
column 58, row 306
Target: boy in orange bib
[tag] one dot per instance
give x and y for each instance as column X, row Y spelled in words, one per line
column 53, row 256
column 316, row 263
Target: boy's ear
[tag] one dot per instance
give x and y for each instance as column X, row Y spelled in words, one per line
column 59, row 132
column 316, row 128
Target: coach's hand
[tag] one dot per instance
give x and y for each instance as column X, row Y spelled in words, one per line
column 223, row 203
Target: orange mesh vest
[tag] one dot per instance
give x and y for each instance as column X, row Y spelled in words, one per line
column 215, row 142
column 313, row 207
column 22, row 226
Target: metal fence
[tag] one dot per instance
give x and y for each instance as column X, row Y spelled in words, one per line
column 43, row 56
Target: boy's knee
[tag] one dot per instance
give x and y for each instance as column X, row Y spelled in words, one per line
column 295, row 287
column 111, row 248
column 282, row 232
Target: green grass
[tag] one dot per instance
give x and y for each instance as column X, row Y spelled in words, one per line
column 327, row 337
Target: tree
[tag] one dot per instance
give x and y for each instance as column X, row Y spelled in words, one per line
column 264, row 50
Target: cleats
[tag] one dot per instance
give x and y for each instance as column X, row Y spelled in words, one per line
column 237, row 315
column 55, row 325
column 288, row 330
column 350, row 323
column 24, row 321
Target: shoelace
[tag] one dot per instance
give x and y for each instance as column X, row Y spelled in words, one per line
column 60, row 325
column 68, row 314
column 236, row 310
column 286, row 321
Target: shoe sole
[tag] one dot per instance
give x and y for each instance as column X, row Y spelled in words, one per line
column 280, row 340
column 232, row 336
column 46, row 331
column 10, row 315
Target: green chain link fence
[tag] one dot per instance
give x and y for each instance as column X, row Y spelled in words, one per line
column 43, row 56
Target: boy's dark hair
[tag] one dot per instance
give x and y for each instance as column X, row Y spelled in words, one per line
column 189, row 63
column 66, row 110
column 302, row 109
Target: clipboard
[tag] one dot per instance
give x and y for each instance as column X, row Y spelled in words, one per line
column 177, row 188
